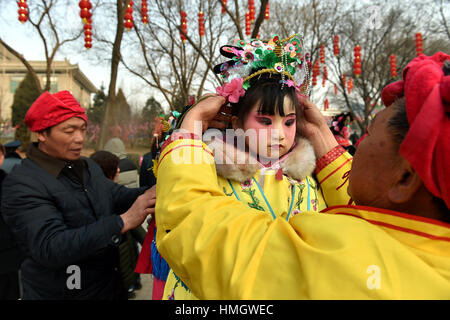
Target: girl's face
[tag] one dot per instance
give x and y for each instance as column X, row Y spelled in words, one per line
column 270, row 136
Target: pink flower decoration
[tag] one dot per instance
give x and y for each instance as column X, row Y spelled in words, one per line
column 232, row 90
column 290, row 83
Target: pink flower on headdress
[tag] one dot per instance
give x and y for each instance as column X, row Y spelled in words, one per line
column 232, row 90
column 290, row 83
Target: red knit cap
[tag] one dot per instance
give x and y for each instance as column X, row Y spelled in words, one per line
column 427, row 143
column 50, row 109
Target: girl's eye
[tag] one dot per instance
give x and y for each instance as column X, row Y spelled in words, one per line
column 290, row 122
column 265, row 121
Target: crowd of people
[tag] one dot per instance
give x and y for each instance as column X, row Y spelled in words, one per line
column 263, row 200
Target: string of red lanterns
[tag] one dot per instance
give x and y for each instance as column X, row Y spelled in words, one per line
column 224, row 6
column 419, row 49
column 88, row 34
column 335, row 89
column 201, row 24
column 325, row 76
column 85, row 12
column 247, row 24
column 357, row 61
column 322, row 54
column 336, row 45
column 251, row 9
column 315, row 72
column 344, row 81
column 183, row 16
column 350, row 85
column 144, row 12
column 23, row 10
column 128, row 17
column 393, row 65
column 266, row 14
column 326, row 105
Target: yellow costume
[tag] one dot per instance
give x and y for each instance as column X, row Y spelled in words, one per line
column 224, row 250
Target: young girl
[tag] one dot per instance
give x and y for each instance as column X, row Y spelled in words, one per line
column 262, row 83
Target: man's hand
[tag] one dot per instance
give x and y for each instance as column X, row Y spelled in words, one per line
column 313, row 126
column 208, row 112
column 141, row 208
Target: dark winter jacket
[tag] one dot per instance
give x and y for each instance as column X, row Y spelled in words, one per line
column 10, row 256
column 62, row 219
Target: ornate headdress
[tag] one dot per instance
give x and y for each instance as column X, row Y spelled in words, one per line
column 256, row 57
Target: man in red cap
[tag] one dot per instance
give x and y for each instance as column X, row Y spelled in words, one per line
column 394, row 243
column 66, row 216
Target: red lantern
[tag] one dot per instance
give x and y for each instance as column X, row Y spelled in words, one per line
column 144, row 12
column 88, row 34
column 183, row 34
column 201, row 24
column 357, row 61
column 23, row 10
column 336, row 45
column 393, row 65
column 248, row 30
column 85, row 12
column 326, row 105
column 350, row 85
column 325, row 76
column 335, row 89
column 128, row 17
column 322, row 54
column 419, row 49
column 315, row 72
column 251, row 9
column 266, row 14
column 224, row 5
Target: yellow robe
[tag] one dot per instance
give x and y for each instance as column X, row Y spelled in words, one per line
column 222, row 249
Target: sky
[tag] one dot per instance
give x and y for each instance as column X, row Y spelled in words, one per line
column 24, row 39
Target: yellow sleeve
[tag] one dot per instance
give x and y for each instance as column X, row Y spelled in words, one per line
column 223, row 249
column 333, row 180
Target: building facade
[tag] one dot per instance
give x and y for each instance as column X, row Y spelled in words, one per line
column 64, row 76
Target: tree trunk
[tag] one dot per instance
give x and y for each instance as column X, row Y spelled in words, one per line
column 111, row 109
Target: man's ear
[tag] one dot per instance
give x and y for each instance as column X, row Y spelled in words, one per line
column 42, row 136
column 407, row 183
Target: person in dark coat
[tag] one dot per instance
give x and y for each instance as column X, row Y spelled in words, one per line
column 10, row 256
column 64, row 213
column 11, row 156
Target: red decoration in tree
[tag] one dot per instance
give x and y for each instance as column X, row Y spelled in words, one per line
column 85, row 12
column 183, row 16
column 224, row 5
column 393, row 65
column 325, row 76
column 266, row 14
column 322, row 54
column 144, row 11
column 419, row 49
column 23, row 10
column 336, row 45
column 326, row 105
column 335, row 89
column 251, row 9
column 88, row 34
column 315, row 72
column 344, row 81
column 201, row 24
column 128, row 17
column 350, row 85
column 357, row 61
column 248, row 22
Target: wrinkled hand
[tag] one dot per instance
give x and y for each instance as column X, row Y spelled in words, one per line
column 141, row 208
column 208, row 111
column 313, row 126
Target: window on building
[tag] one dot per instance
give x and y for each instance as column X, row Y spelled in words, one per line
column 53, row 84
column 14, row 83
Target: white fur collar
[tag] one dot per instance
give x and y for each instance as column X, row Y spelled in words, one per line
column 235, row 164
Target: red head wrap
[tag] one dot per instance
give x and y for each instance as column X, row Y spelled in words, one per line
column 427, row 143
column 51, row 109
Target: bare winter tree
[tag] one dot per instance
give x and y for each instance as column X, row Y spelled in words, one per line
column 46, row 18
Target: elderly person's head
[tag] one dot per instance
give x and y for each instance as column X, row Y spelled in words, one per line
column 403, row 163
column 60, row 125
